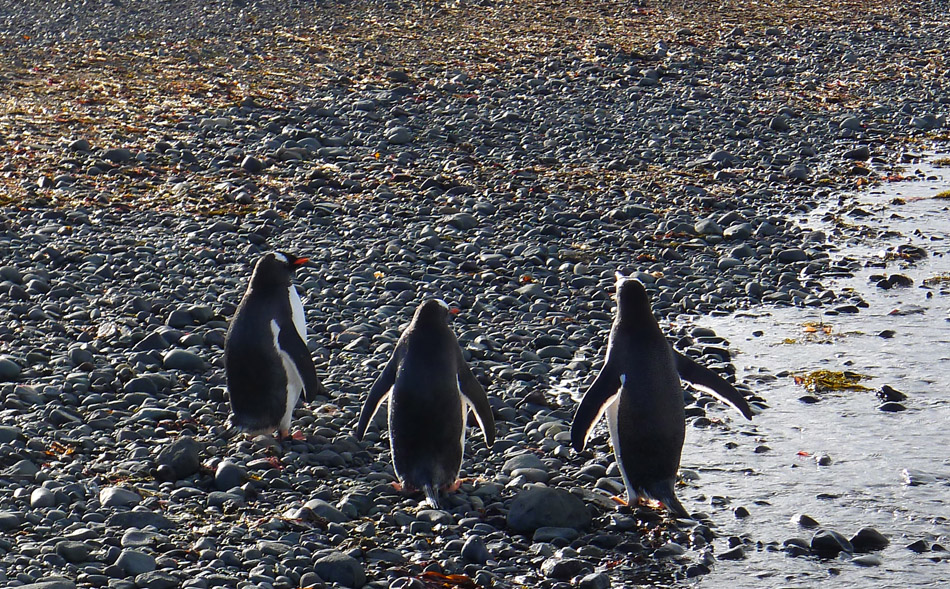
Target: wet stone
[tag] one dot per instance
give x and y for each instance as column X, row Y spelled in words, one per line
column 737, row 553
column 868, row 539
column 828, row 543
column 564, row 568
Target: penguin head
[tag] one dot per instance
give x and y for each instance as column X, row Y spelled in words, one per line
column 291, row 261
column 432, row 311
column 275, row 269
column 632, row 298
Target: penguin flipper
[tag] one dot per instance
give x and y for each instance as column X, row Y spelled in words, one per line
column 475, row 395
column 290, row 342
column 598, row 397
column 707, row 380
column 380, row 390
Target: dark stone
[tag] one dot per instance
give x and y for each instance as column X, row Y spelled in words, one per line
column 182, row 456
column 868, row 539
column 537, row 507
column 829, row 543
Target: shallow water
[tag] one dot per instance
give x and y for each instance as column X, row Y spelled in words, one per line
column 865, row 483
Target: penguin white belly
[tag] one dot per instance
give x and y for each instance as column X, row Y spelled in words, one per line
column 611, row 408
column 300, row 320
column 294, row 380
column 465, row 406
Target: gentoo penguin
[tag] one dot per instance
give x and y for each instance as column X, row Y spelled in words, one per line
column 430, row 388
column 266, row 359
column 639, row 389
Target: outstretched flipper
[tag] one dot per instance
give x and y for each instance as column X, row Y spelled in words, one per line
column 290, row 342
column 596, row 400
column 707, row 380
column 475, row 395
column 380, row 390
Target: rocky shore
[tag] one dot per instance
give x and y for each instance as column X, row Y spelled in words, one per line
column 507, row 157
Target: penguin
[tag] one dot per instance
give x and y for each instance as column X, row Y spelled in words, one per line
column 430, row 389
column 640, row 391
column 266, row 359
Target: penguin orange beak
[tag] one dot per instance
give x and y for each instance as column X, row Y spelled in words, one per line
column 300, row 261
column 454, row 311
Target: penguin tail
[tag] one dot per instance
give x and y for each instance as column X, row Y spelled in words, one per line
column 432, row 495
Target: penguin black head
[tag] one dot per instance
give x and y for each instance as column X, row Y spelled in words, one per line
column 632, row 299
column 432, row 311
column 276, row 268
column 291, row 261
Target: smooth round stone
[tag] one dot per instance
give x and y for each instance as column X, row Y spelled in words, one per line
column 229, row 475
column 9, row 370
column 707, row 227
column 336, row 567
column 828, row 543
column 793, row 255
column 186, row 360
column 538, row 506
column 526, row 460
column 564, row 568
column 135, row 562
column 474, row 550
column 727, row 263
column 118, row 497
column 73, row 551
column 42, row 497
column 868, row 539
column 868, row 560
column 399, row 135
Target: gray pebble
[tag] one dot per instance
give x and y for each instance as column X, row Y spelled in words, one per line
column 538, row 506
column 828, row 543
column 182, row 456
column 9, row 370
column 229, row 475
column 118, row 497
column 139, row 519
column 135, row 562
column 336, row 567
column 179, row 359
column 474, row 550
column 73, row 551
column 42, row 497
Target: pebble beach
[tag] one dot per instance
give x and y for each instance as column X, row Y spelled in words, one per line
column 506, row 157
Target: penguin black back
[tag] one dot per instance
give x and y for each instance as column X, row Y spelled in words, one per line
column 430, row 387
